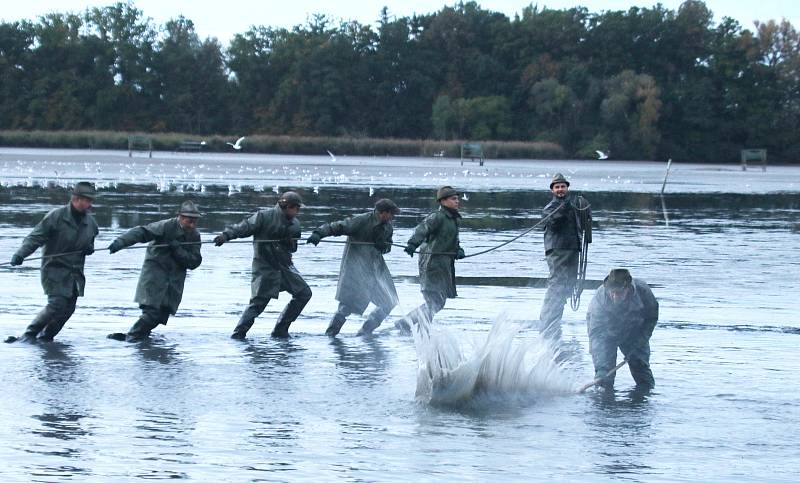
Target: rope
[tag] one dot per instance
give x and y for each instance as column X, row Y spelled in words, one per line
column 301, row 239
column 583, row 255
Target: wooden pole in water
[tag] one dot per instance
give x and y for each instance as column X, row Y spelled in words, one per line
column 664, row 184
column 599, row 379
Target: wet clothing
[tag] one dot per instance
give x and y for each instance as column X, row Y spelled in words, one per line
column 62, row 230
column 273, row 270
column 628, row 325
column 437, row 239
column 562, row 245
column 363, row 275
column 160, row 287
column 438, row 233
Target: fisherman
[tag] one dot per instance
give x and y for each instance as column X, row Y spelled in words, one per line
column 562, row 246
column 174, row 248
column 437, row 239
column 623, row 313
column 275, row 232
column 67, row 235
column 363, row 276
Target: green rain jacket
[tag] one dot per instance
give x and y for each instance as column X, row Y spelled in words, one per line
column 273, row 269
column 363, row 276
column 437, row 234
column 58, row 232
column 164, row 269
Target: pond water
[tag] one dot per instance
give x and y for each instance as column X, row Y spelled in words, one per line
column 720, row 250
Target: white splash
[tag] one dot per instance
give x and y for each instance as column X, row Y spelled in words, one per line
column 501, row 365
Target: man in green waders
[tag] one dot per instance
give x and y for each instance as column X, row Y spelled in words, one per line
column 562, row 247
column 175, row 248
column 622, row 314
column 437, row 239
column 275, row 232
column 363, row 276
column 70, row 230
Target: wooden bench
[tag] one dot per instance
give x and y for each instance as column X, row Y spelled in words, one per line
column 472, row 152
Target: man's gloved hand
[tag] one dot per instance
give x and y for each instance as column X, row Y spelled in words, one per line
column 16, row 260
column 220, row 239
column 314, row 238
column 174, row 244
column 410, row 249
column 115, row 246
column 460, row 254
column 89, row 250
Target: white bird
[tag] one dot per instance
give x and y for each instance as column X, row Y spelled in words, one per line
column 238, row 145
column 276, row 189
column 316, row 189
column 601, row 155
column 371, row 191
column 465, row 197
column 333, row 158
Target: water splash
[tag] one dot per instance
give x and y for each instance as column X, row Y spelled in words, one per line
column 503, row 365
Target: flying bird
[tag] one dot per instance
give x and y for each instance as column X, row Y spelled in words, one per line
column 601, row 155
column 333, row 158
column 371, row 191
column 238, row 145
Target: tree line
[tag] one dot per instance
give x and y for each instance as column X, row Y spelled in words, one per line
column 646, row 83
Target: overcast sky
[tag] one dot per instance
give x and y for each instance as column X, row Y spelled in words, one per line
column 223, row 19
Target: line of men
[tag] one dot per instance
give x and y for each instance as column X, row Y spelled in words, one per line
column 622, row 314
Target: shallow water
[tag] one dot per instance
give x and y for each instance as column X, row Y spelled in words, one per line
column 192, row 403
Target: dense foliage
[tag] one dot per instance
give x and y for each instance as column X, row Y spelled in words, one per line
column 647, row 83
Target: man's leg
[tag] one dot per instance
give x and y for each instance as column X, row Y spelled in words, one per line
column 257, row 305
column 300, row 298
column 63, row 310
column 637, row 352
column 563, row 265
column 150, row 319
column 374, row 320
column 604, row 357
column 338, row 320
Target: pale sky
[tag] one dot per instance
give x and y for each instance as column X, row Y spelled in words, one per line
column 223, row 19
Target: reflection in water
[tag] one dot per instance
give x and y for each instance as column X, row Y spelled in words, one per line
column 622, row 423
column 62, row 419
column 273, row 353
column 156, row 349
column 362, row 362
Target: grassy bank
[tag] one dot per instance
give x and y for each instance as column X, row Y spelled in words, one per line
column 280, row 144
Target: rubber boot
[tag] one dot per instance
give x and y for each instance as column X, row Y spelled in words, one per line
column 335, row 326
column 372, row 323
column 289, row 315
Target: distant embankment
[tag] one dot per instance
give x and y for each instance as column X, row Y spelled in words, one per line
column 280, row 144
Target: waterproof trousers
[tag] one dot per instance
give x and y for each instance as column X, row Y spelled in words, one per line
column 374, row 320
column 290, row 313
column 51, row 319
column 635, row 349
column 434, row 302
column 563, row 265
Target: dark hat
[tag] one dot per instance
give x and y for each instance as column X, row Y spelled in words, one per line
column 289, row 199
column 189, row 208
column 558, row 178
column 385, row 204
column 85, row 189
column 618, row 278
column 445, row 192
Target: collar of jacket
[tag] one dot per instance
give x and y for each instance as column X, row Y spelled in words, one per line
column 449, row 212
column 71, row 219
